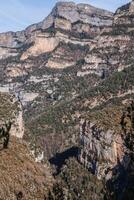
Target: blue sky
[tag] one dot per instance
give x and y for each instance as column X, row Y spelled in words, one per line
column 18, row 14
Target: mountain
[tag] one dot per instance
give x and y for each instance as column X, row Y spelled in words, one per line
column 87, row 23
column 74, row 70
column 65, row 19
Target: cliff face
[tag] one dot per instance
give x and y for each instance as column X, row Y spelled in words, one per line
column 124, row 15
column 101, row 150
column 109, row 153
column 82, row 12
column 66, row 17
column 17, row 129
column 93, row 38
column 86, row 24
column 114, row 47
column 11, row 110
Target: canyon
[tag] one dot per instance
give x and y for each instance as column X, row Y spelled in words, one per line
column 65, row 83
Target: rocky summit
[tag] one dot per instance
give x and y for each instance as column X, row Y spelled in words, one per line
column 39, row 38
column 67, row 86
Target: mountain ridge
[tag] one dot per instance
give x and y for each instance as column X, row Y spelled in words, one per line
column 68, row 72
column 16, row 40
column 55, row 7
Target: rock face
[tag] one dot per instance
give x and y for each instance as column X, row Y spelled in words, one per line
column 101, row 150
column 82, row 24
column 11, row 110
column 102, row 32
column 41, row 45
column 122, row 182
column 123, row 17
column 66, row 17
column 17, row 128
column 113, row 44
column 104, row 150
column 82, row 12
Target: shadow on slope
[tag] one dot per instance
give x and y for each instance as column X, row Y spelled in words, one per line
column 60, row 158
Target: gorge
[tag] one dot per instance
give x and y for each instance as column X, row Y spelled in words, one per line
column 67, row 84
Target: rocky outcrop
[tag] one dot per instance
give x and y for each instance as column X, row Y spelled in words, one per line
column 101, row 150
column 11, row 110
column 82, row 12
column 113, row 44
column 12, row 40
column 40, row 46
column 105, row 149
column 17, row 128
column 66, row 17
column 66, row 55
column 121, row 183
column 124, row 15
column 61, row 23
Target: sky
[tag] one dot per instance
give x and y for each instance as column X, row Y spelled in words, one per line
column 16, row 15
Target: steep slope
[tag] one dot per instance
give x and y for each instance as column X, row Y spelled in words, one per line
column 79, row 183
column 21, row 177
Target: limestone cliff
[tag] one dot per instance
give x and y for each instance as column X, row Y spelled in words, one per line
column 114, row 47
column 66, row 17
column 101, row 150
column 11, row 109
column 18, row 124
column 107, row 147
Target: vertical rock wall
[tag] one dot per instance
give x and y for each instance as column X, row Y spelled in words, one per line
column 100, row 150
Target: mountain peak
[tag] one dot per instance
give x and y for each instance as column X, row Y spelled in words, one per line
column 75, row 12
column 65, row 3
column 129, row 7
